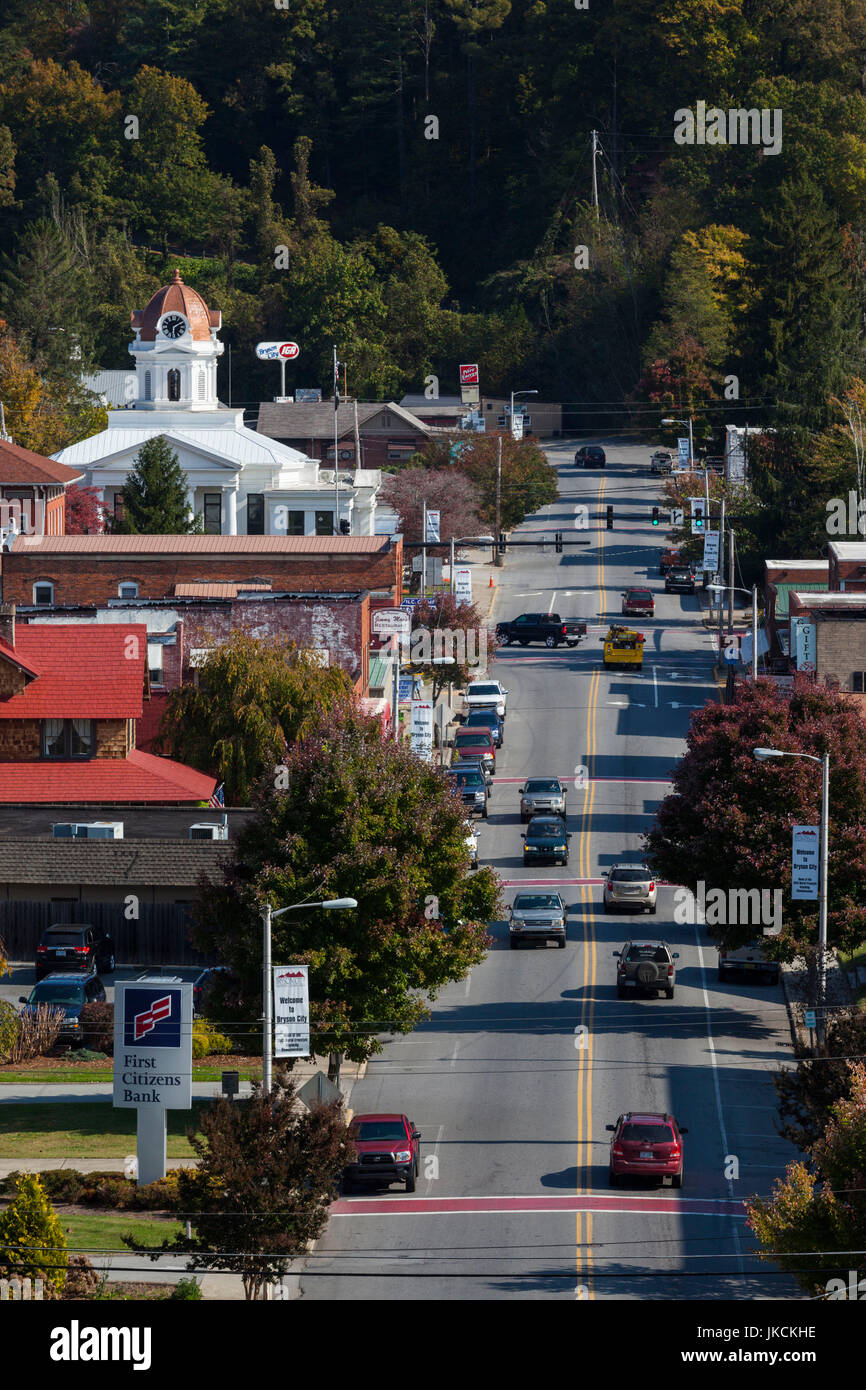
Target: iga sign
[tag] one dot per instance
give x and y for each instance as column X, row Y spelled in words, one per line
column 468, row 373
column 270, row 352
column 291, row 1011
column 806, row 840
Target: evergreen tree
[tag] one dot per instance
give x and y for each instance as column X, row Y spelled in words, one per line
column 154, row 496
column 32, row 1243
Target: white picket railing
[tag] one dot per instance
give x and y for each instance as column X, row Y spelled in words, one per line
column 16, row 1289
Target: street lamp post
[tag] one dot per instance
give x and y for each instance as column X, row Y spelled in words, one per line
column 762, row 754
column 720, row 589
column 268, row 916
column 511, row 416
column 667, row 420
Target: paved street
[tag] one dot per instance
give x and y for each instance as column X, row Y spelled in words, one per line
column 520, row 1067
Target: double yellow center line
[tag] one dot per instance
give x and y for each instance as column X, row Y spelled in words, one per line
column 584, row 1037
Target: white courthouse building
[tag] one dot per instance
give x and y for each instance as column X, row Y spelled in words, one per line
column 240, row 482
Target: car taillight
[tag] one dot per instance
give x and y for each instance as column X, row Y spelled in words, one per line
column 81, row 950
column 671, row 968
column 40, row 950
column 564, row 629
column 651, row 888
column 617, row 1151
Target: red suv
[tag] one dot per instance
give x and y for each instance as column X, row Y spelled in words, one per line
column 646, row 1145
column 638, row 603
column 387, row 1149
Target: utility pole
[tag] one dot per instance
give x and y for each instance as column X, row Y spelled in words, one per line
column 336, row 453
column 822, row 911
column 498, row 554
column 730, row 580
column 452, row 568
column 754, row 632
column 721, row 577
column 594, row 178
column 423, row 550
column 357, row 438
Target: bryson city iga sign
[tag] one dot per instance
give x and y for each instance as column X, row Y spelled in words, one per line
column 291, row 1011
column 153, row 1044
column 269, row 352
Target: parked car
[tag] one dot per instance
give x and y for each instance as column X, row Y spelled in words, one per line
column 646, row 965
column 387, row 1149
column 590, row 456
column 542, row 794
column 751, row 960
column 475, row 764
column 680, row 579
column 545, row 838
column 202, row 986
column 485, row 695
column 74, row 946
column 647, row 1145
column 473, row 743
column 670, row 557
column 537, row 917
column 472, row 786
column 662, row 462
column 629, row 885
column 548, row 628
column 486, row 719
column 66, row 992
column 638, row 603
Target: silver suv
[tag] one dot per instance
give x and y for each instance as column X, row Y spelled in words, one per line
column 541, row 795
column 538, row 917
column 630, row 885
column 646, row 965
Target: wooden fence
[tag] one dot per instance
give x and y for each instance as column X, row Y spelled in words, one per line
column 15, row 1289
column 159, row 936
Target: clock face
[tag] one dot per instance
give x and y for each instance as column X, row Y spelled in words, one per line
column 173, row 326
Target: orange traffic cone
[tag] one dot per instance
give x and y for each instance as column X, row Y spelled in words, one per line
column 491, row 585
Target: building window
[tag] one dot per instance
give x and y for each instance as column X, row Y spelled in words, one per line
column 857, row 682
column 174, row 384
column 256, row 514
column 213, row 505
column 296, row 524
column 324, row 523
column 400, row 452
column 43, row 593
column 67, row 738
column 154, row 662
column 118, row 506
column 127, row 589
column 148, row 388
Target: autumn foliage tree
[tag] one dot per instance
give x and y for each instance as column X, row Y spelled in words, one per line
column 728, row 819
column 443, row 627
column 528, row 482
column 267, row 1172
column 449, row 492
column 83, row 511
column 350, row 814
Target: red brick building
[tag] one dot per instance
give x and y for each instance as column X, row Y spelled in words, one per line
column 387, row 433
column 38, row 486
column 56, row 571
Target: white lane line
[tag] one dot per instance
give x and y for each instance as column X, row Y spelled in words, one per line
column 552, row 601
column 655, row 688
column 717, row 1089
column 468, row 982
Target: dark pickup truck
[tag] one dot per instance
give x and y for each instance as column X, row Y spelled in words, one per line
column 548, row 628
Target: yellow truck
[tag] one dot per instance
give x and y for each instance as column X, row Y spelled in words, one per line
column 623, row 646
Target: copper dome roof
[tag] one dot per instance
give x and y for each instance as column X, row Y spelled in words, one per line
column 182, row 299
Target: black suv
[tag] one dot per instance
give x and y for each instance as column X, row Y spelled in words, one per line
column 66, row 992
column 590, row 456
column 472, row 786
column 74, row 946
column 546, row 838
column 680, row 579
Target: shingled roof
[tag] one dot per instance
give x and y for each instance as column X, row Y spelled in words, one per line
column 141, row 863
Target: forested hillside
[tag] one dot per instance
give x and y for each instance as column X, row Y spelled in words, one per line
column 284, row 155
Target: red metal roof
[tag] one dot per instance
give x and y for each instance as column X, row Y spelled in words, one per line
column 215, row 590
column 83, row 671
column 207, row 545
column 19, row 465
column 139, row 778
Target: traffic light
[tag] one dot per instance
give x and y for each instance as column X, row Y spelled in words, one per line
column 502, row 542
column 345, row 527
column 559, row 542
column 655, row 516
column 697, row 517
column 610, row 518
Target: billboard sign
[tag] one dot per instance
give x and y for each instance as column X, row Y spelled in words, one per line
column 153, row 1044
column 273, row 352
column 291, row 1011
column 468, row 373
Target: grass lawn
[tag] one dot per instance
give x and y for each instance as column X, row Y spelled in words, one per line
column 84, row 1073
column 84, row 1129
column 100, row 1231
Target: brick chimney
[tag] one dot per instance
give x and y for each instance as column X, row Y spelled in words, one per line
column 7, row 623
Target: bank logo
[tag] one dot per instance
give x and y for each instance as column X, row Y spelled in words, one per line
column 151, row 1014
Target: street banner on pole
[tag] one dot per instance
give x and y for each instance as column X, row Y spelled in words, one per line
column 432, row 527
column 805, row 846
column 462, row 585
column 682, row 453
column 291, row 1011
column 711, row 551
column 421, row 729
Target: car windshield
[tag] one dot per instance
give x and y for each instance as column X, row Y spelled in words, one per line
column 378, row 1129
column 543, row 784
column 546, row 827
column 647, row 1134
column 484, row 690
column 471, row 739
column 468, row 780
column 630, row 876
column 55, row 994
column 656, row 953
column 486, row 717
column 63, row 938
column 531, row 902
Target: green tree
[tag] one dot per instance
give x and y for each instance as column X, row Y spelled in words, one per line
column 350, row 814
column 254, row 698
column 807, row 1092
column 466, row 641
column 728, row 820
column 32, row 1242
column 267, row 1171
column 155, row 494
column 527, row 480
column 45, row 300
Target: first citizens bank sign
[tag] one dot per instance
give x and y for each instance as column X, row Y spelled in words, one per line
column 152, row 1060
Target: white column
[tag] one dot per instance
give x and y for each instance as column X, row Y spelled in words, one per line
column 190, row 502
column 232, row 511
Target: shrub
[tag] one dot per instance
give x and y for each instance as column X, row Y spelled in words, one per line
column 186, row 1288
column 105, row 1190
column 97, row 1027
column 10, row 1027
column 32, row 1242
column 161, row 1195
column 37, row 1033
column 58, row 1184
column 206, row 1040
column 82, row 1280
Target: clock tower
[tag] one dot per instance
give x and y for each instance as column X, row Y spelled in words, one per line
column 176, row 350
